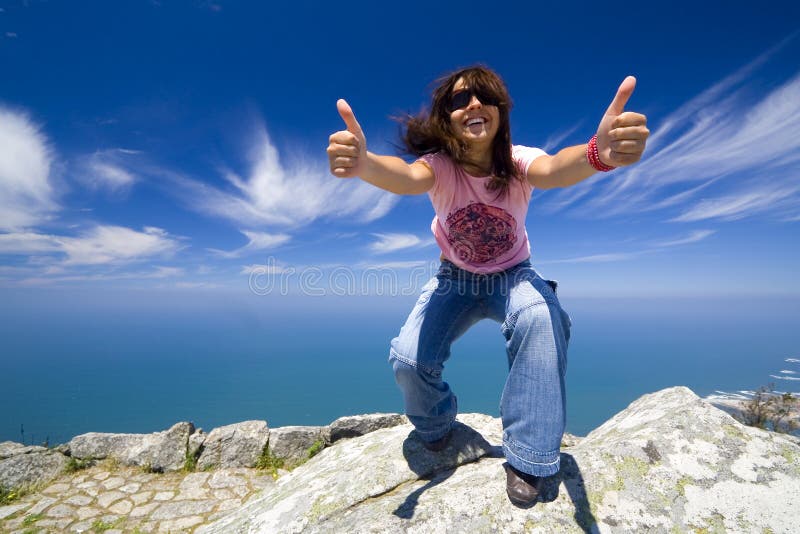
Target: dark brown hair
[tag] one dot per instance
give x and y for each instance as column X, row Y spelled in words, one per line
column 431, row 131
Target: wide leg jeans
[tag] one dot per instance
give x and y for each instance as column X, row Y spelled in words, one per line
column 536, row 331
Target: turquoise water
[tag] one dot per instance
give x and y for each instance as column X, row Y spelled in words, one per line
column 128, row 363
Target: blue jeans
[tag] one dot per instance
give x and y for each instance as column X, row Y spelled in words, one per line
column 536, row 330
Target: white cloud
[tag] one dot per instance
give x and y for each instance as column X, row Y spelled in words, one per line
column 157, row 273
column 391, row 265
column 285, row 195
column 100, row 245
column 26, row 195
column 556, row 140
column 741, row 205
column 392, row 242
column 256, row 241
column 108, row 169
column 652, row 248
column 28, row 243
column 116, row 244
column 718, row 138
column 596, row 258
column 693, row 237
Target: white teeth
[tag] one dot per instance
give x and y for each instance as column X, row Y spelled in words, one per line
column 477, row 120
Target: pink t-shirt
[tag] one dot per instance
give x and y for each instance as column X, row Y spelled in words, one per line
column 475, row 229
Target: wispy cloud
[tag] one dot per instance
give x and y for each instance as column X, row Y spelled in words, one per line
column 97, row 246
column 147, row 274
column 117, row 244
column 107, row 169
column 393, row 242
column 766, row 199
column 392, row 265
column 256, row 241
column 288, row 195
column 28, row 243
column 714, row 142
column 596, row 258
column 557, row 140
column 646, row 249
column 27, row 196
column 693, row 237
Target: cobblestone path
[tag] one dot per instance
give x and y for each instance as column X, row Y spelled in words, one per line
column 110, row 499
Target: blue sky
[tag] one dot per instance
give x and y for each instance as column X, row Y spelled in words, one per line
column 179, row 146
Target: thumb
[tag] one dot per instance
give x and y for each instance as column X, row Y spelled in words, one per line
column 621, row 98
column 348, row 117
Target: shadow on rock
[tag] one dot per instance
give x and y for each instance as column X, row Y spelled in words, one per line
column 466, row 445
column 570, row 475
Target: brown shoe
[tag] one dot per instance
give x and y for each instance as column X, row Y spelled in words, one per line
column 439, row 444
column 523, row 489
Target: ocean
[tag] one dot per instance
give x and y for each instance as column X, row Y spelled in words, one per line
column 138, row 363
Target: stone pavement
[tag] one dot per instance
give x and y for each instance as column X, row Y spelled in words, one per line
column 111, row 499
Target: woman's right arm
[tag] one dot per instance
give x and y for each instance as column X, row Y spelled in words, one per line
column 348, row 157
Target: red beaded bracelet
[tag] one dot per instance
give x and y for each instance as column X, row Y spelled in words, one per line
column 594, row 157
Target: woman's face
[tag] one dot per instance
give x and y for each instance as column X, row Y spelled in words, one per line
column 476, row 122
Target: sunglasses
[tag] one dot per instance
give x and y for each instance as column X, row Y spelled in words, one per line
column 462, row 99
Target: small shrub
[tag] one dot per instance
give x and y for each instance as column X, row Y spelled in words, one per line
column 76, row 464
column 316, row 447
column 189, row 463
column 268, row 462
column 771, row 411
column 148, row 469
column 7, row 495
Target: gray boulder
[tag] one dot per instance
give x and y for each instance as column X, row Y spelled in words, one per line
column 669, row 462
column 27, row 466
column 11, row 448
column 160, row 451
column 237, row 445
column 292, row 443
column 357, row 425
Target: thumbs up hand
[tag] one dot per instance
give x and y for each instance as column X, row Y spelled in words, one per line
column 621, row 135
column 347, row 149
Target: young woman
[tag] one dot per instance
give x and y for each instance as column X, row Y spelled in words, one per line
column 480, row 186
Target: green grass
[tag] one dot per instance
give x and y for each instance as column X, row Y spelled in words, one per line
column 102, row 526
column 316, row 447
column 268, row 462
column 76, row 464
column 7, row 496
column 31, row 519
column 189, row 463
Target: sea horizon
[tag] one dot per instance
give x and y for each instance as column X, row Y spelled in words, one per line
column 140, row 366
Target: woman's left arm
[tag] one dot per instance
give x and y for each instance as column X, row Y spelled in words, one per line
column 621, row 139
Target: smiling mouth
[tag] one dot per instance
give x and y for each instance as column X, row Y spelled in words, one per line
column 476, row 120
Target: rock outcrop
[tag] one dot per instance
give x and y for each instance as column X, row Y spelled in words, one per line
column 669, row 461
column 28, row 466
column 161, row 451
column 293, row 444
column 232, row 446
column 358, row 425
column 237, row 445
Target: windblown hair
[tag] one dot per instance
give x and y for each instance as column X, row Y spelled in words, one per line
column 430, row 132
